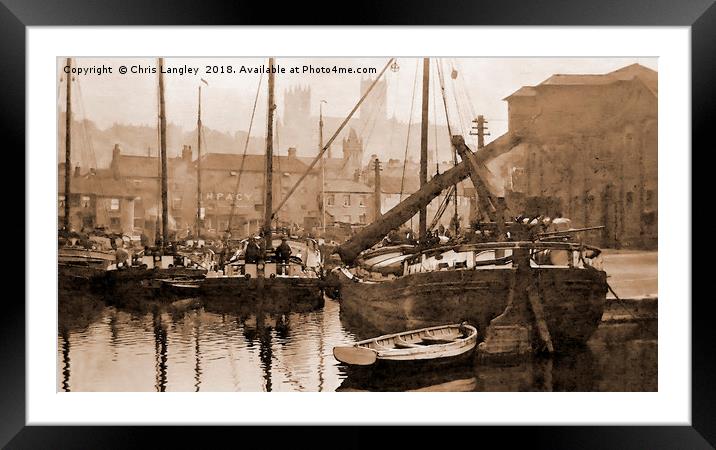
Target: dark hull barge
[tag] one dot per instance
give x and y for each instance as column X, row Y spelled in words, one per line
column 572, row 298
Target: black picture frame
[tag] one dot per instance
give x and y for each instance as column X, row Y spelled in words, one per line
column 16, row 15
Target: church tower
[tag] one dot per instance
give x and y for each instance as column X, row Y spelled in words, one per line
column 352, row 152
column 297, row 107
column 373, row 107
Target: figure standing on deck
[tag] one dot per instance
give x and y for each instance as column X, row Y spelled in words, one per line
column 252, row 251
column 283, row 252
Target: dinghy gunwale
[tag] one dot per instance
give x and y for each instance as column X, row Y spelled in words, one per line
column 437, row 351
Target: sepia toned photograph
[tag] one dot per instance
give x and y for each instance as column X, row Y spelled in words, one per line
column 436, row 224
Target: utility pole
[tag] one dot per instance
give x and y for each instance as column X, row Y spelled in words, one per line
column 479, row 128
column 424, row 146
column 68, row 146
column 323, row 166
column 163, row 149
column 376, row 165
column 198, row 169
column 269, row 157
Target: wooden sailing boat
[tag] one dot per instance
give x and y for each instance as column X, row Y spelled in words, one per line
column 296, row 282
column 79, row 266
column 146, row 278
column 507, row 284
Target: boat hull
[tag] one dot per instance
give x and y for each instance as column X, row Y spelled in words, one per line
column 573, row 301
column 137, row 283
column 79, row 278
column 279, row 293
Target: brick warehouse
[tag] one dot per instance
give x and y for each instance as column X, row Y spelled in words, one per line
column 589, row 152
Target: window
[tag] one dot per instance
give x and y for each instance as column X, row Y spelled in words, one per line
column 362, row 218
column 85, row 202
column 61, row 201
column 114, row 204
column 114, row 223
column 330, row 200
column 346, row 200
column 176, row 203
column 361, row 202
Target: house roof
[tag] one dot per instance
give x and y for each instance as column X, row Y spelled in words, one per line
column 333, row 165
column 391, row 185
column 524, row 91
column 103, row 186
column 137, row 166
column 348, row 186
column 253, row 163
column 647, row 76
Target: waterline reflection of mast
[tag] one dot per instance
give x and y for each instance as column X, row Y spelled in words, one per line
column 197, row 353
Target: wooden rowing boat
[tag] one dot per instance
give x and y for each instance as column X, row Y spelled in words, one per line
column 440, row 343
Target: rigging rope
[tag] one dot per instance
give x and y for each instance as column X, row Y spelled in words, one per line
column 454, row 150
column 444, row 203
column 243, row 157
column 88, row 143
column 330, row 141
column 435, row 125
column 410, row 122
column 382, row 100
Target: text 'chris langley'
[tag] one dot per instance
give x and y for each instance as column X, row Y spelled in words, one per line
column 134, row 69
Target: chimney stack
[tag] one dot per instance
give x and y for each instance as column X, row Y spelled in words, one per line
column 186, row 153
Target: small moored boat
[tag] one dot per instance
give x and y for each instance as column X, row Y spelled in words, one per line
column 434, row 344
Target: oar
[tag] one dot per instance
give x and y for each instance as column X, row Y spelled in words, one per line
column 358, row 356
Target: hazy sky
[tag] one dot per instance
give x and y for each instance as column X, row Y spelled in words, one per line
column 227, row 100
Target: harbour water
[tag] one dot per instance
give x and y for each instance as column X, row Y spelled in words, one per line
column 191, row 346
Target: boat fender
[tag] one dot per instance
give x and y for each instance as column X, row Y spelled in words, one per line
column 247, row 276
column 273, row 275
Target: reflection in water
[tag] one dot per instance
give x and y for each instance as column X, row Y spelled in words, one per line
column 197, row 356
column 171, row 348
column 65, row 348
column 160, row 350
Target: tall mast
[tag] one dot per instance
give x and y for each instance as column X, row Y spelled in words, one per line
column 323, row 165
column 269, row 157
column 68, row 146
column 198, row 168
column 424, row 146
column 163, row 151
